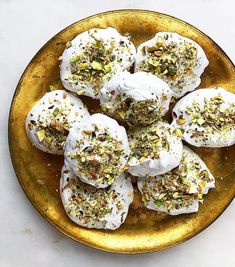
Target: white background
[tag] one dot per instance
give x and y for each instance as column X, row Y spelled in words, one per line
column 25, row 238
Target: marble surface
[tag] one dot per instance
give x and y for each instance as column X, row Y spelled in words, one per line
column 26, row 239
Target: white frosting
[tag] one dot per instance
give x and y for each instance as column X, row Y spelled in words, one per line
column 168, row 158
column 105, row 125
column 124, row 54
column 42, row 114
column 122, row 189
column 219, row 137
column 190, row 82
column 196, row 186
column 140, row 87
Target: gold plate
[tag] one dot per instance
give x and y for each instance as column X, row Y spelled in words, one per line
column 39, row 173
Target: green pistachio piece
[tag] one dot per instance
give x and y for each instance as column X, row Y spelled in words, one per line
column 158, row 203
column 56, row 112
column 107, row 68
column 41, row 135
column 96, row 65
column 75, row 59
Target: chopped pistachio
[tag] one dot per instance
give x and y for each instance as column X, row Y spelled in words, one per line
column 56, row 111
column 89, row 132
column 96, row 65
column 158, row 203
column 41, row 135
column 161, row 196
column 107, row 68
column 178, row 133
column 83, row 65
column 200, row 121
column 180, row 121
column 68, row 44
column 81, row 91
column 160, row 41
column 122, row 114
column 204, row 174
column 120, row 206
column 74, row 59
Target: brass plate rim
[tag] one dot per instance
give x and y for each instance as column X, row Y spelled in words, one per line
column 24, row 188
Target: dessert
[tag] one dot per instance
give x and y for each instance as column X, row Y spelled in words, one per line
column 155, row 149
column 94, row 207
column 97, row 150
column 92, row 58
column 139, row 98
column 177, row 60
column 180, row 190
column 50, row 119
column 206, row 117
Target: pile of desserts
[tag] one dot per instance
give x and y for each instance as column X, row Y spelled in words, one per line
column 100, row 155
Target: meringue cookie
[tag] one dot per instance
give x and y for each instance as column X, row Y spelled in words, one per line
column 206, row 117
column 155, row 149
column 92, row 207
column 177, row 60
column 97, row 150
column 48, row 122
column 180, row 190
column 92, row 58
column 139, row 98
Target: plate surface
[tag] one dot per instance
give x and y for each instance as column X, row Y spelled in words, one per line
column 39, row 173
